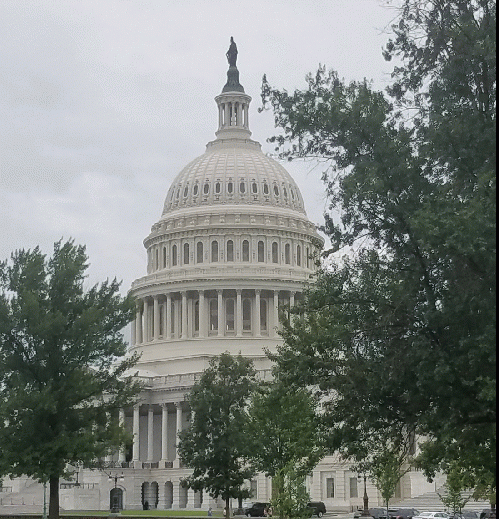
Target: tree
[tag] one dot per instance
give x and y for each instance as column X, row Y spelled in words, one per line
column 215, row 446
column 283, row 430
column 399, row 334
column 62, row 365
column 454, row 487
column 386, row 468
column 292, row 499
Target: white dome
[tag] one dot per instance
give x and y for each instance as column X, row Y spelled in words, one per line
column 233, row 172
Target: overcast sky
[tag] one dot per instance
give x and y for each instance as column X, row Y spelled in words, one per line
column 102, row 103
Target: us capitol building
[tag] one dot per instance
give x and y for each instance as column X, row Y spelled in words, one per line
column 232, row 246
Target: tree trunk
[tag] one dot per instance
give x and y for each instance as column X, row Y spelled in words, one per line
column 54, row 498
column 227, row 508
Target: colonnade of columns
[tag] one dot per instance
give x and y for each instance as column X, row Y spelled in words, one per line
column 233, row 114
column 149, row 440
column 205, row 313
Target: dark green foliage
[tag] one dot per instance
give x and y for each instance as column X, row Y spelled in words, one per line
column 399, row 335
column 61, row 365
column 215, row 445
column 284, row 430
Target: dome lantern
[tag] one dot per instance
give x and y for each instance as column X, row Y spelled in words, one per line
column 233, row 103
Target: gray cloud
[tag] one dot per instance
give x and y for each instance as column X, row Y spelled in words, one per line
column 103, row 102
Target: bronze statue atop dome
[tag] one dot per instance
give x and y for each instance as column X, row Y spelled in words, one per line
column 232, row 53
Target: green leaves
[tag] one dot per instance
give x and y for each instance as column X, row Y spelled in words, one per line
column 61, row 351
column 215, row 446
column 399, row 336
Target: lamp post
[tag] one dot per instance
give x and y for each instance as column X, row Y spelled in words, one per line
column 365, row 511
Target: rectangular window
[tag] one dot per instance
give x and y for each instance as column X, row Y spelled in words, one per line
column 253, row 488
column 354, row 492
column 329, row 488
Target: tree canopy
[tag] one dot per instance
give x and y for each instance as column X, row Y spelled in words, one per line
column 215, row 446
column 398, row 335
column 62, row 365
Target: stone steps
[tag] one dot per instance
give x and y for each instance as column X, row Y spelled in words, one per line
column 431, row 502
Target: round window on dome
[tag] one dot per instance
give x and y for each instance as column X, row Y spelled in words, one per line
column 230, row 187
column 217, row 188
column 206, row 188
column 254, row 188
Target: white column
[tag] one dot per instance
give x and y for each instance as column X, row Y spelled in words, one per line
column 292, row 299
column 156, row 318
column 276, row 312
column 220, row 314
column 164, row 432
column 258, row 331
column 168, row 320
column 202, row 315
column 146, row 322
column 138, row 324
column 246, row 122
column 220, row 116
column 133, row 328
column 136, row 434
column 121, row 453
column 239, row 313
column 150, row 434
column 178, row 405
column 184, row 315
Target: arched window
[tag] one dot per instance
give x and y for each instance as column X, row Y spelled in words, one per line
column 254, row 188
column 246, row 315
column 261, row 252
column 246, row 253
column 196, row 189
column 263, row 315
column 199, row 252
column 156, row 265
column 196, row 317
column 230, row 250
column 206, row 188
column 265, row 189
column 217, row 188
column 174, row 255
column 186, row 191
column 164, row 257
column 242, row 188
column 214, row 251
column 213, row 315
column 287, row 254
column 298, row 255
column 276, row 190
column 229, row 315
column 230, row 187
column 275, row 252
column 186, row 254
